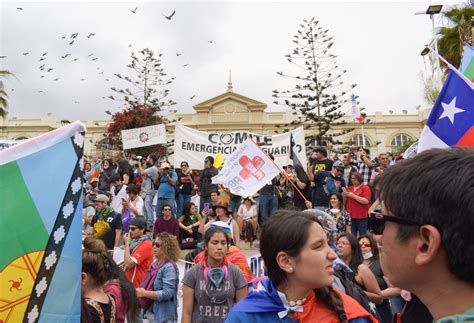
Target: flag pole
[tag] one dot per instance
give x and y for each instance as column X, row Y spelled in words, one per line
column 281, row 172
column 451, row 67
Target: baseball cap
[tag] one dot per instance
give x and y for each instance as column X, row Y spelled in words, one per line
column 164, row 165
column 338, row 164
column 101, row 198
column 139, row 222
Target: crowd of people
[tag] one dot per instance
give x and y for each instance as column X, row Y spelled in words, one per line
column 324, row 260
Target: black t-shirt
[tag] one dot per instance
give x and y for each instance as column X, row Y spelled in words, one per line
column 184, row 183
column 114, row 219
column 269, row 189
column 106, row 309
column 298, row 201
column 325, row 184
column 322, row 165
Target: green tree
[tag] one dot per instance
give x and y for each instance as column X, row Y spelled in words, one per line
column 316, row 99
column 452, row 39
column 3, row 94
column 145, row 100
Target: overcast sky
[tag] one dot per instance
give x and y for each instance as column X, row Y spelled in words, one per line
column 378, row 43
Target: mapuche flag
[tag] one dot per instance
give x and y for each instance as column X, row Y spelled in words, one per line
column 467, row 62
column 40, row 227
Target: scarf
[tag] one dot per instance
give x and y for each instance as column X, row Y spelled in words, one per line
column 105, row 212
column 136, row 242
column 264, row 299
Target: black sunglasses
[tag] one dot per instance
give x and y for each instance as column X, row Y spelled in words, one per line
column 184, row 165
column 166, row 209
column 132, row 228
column 377, row 221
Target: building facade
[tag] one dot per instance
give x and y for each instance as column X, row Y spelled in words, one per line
column 231, row 111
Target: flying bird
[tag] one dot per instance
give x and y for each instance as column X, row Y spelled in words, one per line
column 74, row 35
column 76, row 102
column 76, row 59
column 44, row 54
column 170, row 16
column 66, row 55
column 3, row 57
column 25, row 53
column 210, row 41
column 42, row 76
column 94, row 59
column 82, row 79
column 178, row 54
column 90, row 35
column 129, row 45
column 108, row 112
column 192, row 97
column 49, row 69
column 56, row 79
column 134, row 10
column 185, row 65
column 64, row 37
column 72, row 42
column 107, row 80
column 42, row 59
column 41, row 92
column 42, row 67
column 90, row 55
column 19, row 8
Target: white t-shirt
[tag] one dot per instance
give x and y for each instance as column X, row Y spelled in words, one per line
column 137, row 204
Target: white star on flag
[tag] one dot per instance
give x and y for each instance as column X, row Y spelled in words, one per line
column 450, row 110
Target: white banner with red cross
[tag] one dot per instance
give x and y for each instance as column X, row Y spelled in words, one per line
column 246, row 170
column 144, row 136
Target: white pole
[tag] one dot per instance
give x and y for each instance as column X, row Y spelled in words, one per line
column 435, row 40
column 363, row 135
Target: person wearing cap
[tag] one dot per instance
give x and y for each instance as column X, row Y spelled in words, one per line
column 205, row 186
column 166, row 181
column 221, row 210
column 248, row 212
column 326, row 183
column 106, row 222
column 357, row 204
column 138, row 251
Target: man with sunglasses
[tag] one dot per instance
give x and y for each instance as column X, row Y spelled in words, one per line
column 138, row 253
column 326, row 183
column 426, row 242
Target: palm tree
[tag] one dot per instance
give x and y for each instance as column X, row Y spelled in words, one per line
column 451, row 42
column 3, row 95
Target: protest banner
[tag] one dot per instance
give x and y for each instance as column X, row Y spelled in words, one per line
column 40, row 229
column 194, row 146
column 246, row 170
column 144, row 136
column 5, row 143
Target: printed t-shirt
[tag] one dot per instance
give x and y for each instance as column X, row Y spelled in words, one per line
column 114, row 220
column 322, row 165
column 142, row 256
column 356, row 209
column 203, row 309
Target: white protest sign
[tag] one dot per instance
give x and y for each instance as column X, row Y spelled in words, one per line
column 246, row 170
column 194, row 146
column 144, row 136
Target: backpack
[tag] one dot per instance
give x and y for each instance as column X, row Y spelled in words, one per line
column 147, row 283
column 355, row 291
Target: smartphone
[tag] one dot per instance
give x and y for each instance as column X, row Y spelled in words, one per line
column 206, row 206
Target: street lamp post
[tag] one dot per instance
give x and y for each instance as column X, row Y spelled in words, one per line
column 434, row 10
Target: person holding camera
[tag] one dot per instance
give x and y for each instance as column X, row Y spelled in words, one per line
column 149, row 175
column 166, row 181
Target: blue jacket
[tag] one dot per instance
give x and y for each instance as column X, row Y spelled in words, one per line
column 166, row 288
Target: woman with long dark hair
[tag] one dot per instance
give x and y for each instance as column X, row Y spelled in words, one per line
column 351, row 254
column 213, row 286
column 95, row 266
column 299, row 262
column 123, row 292
column 337, row 210
column 188, row 225
column 125, row 170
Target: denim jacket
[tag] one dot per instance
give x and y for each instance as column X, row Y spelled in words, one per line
column 165, row 307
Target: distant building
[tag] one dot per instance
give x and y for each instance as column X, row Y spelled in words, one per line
column 231, row 111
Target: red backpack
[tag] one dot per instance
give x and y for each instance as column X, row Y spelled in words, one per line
column 148, row 280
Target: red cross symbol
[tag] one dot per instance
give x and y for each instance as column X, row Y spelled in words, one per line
column 251, row 167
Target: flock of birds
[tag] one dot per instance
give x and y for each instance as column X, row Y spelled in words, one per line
column 44, row 67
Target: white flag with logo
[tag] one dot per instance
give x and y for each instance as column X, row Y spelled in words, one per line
column 246, row 170
column 144, row 136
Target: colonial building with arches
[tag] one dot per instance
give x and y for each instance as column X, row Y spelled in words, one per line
column 231, row 111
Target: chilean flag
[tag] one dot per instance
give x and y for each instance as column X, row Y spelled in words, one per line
column 451, row 122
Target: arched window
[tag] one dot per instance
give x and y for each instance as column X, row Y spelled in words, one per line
column 22, row 138
column 357, row 141
column 401, row 140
